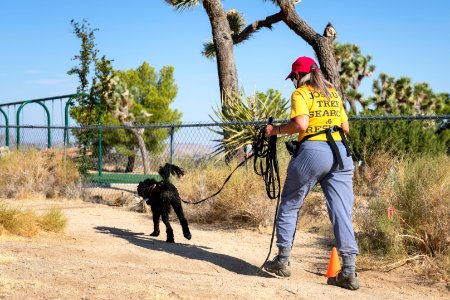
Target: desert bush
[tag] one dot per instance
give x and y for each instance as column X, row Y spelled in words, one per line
column 53, row 220
column 243, row 199
column 34, row 173
column 372, row 174
column 416, row 192
column 26, row 223
column 397, row 137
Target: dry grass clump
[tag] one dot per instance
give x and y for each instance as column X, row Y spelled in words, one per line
column 242, row 200
column 416, row 193
column 26, row 223
column 370, row 177
column 34, row 173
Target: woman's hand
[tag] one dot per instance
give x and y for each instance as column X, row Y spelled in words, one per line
column 269, row 130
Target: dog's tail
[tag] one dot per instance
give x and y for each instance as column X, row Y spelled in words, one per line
column 169, row 169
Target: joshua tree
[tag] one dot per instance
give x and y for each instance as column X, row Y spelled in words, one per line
column 119, row 103
column 228, row 30
column 353, row 68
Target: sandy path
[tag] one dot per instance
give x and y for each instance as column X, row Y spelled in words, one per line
column 107, row 253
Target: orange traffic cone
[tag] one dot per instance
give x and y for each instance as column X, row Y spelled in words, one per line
column 334, row 266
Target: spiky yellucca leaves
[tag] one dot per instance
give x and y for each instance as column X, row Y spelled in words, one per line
column 243, row 108
column 183, row 4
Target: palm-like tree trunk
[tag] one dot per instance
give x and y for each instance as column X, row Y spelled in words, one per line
column 139, row 134
column 223, row 42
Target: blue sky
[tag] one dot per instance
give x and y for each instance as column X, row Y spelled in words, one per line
column 405, row 38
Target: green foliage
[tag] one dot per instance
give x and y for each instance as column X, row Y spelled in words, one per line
column 235, row 20
column 353, row 68
column 152, row 95
column 378, row 232
column 89, row 100
column 236, row 23
column 148, row 96
column 258, row 107
column 399, row 138
column 209, row 50
column 88, row 54
column 400, row 96
column 91, row 91
column 443, row 108
column 183, row 4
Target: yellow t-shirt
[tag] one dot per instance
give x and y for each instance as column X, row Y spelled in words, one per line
column 322, row 112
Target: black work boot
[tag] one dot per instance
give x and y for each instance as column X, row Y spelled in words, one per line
column 346, row 281
column 280, row 264
column 280, row 268
column 347, row 278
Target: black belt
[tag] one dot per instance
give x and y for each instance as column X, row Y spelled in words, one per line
column 329, row 134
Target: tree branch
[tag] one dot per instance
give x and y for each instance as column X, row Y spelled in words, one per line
column 255, row 26
column 296, row 24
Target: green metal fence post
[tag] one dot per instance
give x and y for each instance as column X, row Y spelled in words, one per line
column 100, row 148
column 66, row 121
column 7, row 127
column 66, row 126
column 172, row 150
column 49, row 135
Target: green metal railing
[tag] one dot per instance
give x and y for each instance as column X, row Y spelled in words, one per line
column 41, row 102
column 49, row 136
column 7, row 126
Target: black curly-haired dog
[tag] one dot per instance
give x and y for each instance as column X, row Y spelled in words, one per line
column 161, row 195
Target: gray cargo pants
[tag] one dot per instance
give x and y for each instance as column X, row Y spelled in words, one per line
column 315, row 163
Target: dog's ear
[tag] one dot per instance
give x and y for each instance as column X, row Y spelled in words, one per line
column 177, row 171
column 169, row 169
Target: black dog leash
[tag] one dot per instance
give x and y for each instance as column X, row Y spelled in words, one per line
column 265, row 155
column 266, row 152
column 223, row 185
column 266, row 162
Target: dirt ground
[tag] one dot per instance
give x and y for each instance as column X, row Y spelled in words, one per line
column 106, row 253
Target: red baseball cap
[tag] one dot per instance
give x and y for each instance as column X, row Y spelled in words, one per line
column 302, row 64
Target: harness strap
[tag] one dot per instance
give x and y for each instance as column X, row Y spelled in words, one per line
column 335, row 148
column 328, row 132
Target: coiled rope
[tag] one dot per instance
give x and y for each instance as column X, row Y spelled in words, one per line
column 266, row 164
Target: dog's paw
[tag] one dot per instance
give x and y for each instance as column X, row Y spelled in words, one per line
column 187, row 235
column 154, row 233
column 170, row 241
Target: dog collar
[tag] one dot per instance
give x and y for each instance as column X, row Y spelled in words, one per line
column 152, row 188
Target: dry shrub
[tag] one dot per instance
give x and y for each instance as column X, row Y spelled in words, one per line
column 371, row 176
column 34, row 173
column 417, row 190
column 242, row 200
column 422, row 200
column 18, row 222
column 26, row 223
column 53, row 220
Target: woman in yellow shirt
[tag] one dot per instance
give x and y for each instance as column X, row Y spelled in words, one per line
column 322, row 156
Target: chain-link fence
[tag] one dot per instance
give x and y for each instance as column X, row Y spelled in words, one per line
column 113, row 156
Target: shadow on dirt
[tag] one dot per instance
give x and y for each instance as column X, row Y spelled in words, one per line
column 227, row 262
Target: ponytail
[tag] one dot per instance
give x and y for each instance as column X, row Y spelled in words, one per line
column 316, row 79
